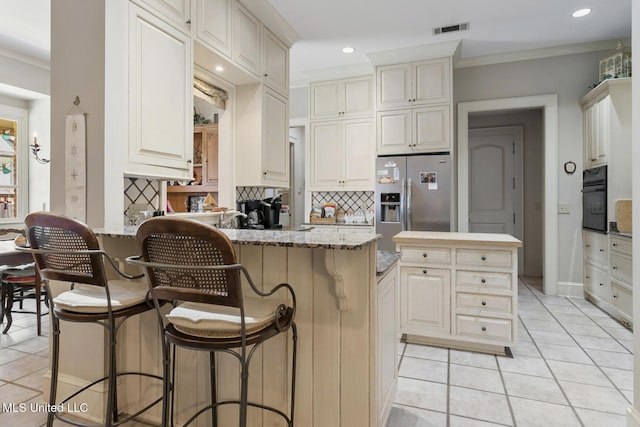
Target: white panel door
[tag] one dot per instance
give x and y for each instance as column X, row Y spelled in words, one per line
column 424, row 301
column 495, row 180
column 358, row 97
column 431, row 81
column 431, row 129
column 246, row 46
column 275, row 62
column 359, row 154
column 326, row 154
column 394, row 86
column 213, row 25
column 394, row 132
column 160, row 97
column 275, row 147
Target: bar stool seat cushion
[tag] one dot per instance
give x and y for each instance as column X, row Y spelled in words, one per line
column 93, row 299
column 209, row 320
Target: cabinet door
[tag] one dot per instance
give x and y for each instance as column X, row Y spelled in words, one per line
column 160, row 100
column 431, row 81
column 275, row 147
column 213, row 25
column 601, row 145
column 425, row 301
column 275, row 62
column 431, row 129
column 394, row 86
column 623, row 300
column 358, row 97
column 589, row 130
column 326, row 100
column 386, row 342
column 394, row 132
column 210, row 147
column 175, row 11
column 326, row 155
column 246, row 40
column 359, row 154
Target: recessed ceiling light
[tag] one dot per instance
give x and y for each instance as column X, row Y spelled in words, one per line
column 348, row 49
column 219, row 68
column 581, row 12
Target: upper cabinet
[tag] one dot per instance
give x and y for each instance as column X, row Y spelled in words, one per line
column 275, row 62
column 212, row 19
column 596, row 131
column 414, row 130
column 246, row 39
column 341, row 99
column 160, row 98
column 415, row 83
column 176, row 12
column 262, row 137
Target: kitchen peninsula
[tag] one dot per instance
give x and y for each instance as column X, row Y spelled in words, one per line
column 347, row 333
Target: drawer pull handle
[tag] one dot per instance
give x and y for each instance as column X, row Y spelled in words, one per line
column 484, row 328
column 614, row 267
column 424, row 255
column 601, row 284
column 601, row 250
column 588, row 277
column 484, row 258
column 483, row 281
column 484, row 303
column 615, row 296
column 615, row 244
column 424, row 271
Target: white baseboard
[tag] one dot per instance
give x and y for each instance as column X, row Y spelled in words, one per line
column 570, row 289
column 633, row 417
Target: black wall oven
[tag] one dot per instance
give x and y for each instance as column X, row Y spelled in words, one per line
column 594, row 199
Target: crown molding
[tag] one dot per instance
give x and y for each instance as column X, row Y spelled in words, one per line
column 544, row 52
column 272, row 20
column 21, row 57
column 414, row 53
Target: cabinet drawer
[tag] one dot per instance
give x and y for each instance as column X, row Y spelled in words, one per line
column 597, row 282
column 484, row 328
column 623, row 300
column 596, row 248
column 621, row 267
column 483, row 280
column 426, row 255
column 486, row 258
column 621, row 244
column 484, row 303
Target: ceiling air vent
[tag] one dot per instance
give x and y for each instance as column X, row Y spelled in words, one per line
column 451, row 28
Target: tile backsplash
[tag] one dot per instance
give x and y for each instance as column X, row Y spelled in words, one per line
column 347, row 201
column 141, row 191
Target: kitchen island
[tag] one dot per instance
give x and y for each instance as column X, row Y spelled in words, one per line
column 344, row 375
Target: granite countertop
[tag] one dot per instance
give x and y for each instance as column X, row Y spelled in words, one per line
column 297, row 239
column 338, row 224
column 385, row 260
column 445, row 237
column 620, row 233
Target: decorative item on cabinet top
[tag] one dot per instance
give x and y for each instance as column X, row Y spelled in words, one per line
column 617, row 64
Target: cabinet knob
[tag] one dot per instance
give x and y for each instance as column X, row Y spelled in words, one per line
column 484, row 303
column 264, row 173
column 484, row 258
column 614, row 267
column 588, row 277
column 601, row 250
column 189, row 161
column 587, row 246
column 424, row 255
column 189, row 21
column 424, row 271
column 593, row 160
column 484, row 328
column 601, row 284
column 615, row 296
column 614, row 245
column 483, row 280
column 265, row 75
column 408, row 100
column 413, row 100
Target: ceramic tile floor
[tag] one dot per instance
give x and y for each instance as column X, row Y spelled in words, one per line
column 572, row 366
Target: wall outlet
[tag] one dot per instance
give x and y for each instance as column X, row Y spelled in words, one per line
column 564, row 208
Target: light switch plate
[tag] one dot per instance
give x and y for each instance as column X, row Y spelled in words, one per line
column 564, row 208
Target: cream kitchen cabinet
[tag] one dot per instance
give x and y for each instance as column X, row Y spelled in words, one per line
column 342, row 155
column 176, row 12
column 247, row 32
column 213, row 24
column 262, row 137
column 342, row 99
column 597, row 286
column 275, row 62
column 413, row 84
column 621, row 261
column 596, row 135
column 160, row 98
column 459, row 290
column 386, row 343
column 415, row 130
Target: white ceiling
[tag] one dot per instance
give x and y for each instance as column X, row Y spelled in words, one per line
column 325, row 26
column 496, row 26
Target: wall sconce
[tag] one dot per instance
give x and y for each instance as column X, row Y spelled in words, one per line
column 35, row 148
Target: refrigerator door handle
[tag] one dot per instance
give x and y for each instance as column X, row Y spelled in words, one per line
column 409, row 204
column 403, row 222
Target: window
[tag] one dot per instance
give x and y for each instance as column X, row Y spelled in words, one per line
column 14, row 151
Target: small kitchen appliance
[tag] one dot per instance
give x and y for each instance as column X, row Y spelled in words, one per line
column 261, row 214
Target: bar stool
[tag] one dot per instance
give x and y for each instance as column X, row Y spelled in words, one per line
column 67, row 250
column 195, row 266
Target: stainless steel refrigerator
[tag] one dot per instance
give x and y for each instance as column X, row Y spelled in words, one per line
column 412, row 193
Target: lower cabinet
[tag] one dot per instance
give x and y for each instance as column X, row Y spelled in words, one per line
column 459, row 290
column 386, row 343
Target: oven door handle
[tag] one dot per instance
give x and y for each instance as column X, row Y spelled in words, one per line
column 593, row 190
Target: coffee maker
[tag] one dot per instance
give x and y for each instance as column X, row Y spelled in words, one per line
column 261, row 214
